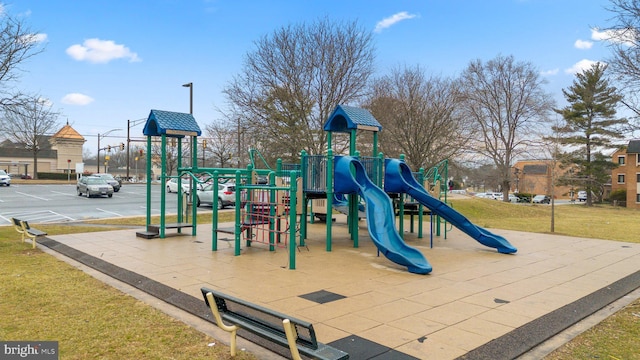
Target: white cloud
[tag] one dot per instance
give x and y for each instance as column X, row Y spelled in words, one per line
column 101, row 51
column 45, row 102
column 581, row 66
column 616, row 36
column 40, row 37
column 33, row 38
column 549, row 72
column 77, row 99
column 583, row 44
column 392, row 20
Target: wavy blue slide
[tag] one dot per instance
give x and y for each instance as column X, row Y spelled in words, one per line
column 399, row 179
column 380, row 215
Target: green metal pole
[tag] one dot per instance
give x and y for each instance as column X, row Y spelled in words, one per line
column 179, row 173
column 375, row 144
column 214, row 212
column 380, row 169
column 272, row 212
column 328, row 220
column 238, row 214
column 353, row 213
column 194, row 185
column 163, row 178
column 401, row 209
column 304, row 165
column 149, row 183
column 293, row 193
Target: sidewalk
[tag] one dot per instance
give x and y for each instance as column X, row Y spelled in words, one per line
column 476, row 303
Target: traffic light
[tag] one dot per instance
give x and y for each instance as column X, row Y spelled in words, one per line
column 141, row 152
column 204, row 143
column 121, row 146
column 109, row 148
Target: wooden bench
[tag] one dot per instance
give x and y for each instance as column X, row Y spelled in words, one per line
column 22, row 226
column 286, row 331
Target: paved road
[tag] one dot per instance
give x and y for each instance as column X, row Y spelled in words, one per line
column 60, row 203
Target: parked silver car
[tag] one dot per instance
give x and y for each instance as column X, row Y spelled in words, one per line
column 226, row 195
column 93, row 186
column 111, row 181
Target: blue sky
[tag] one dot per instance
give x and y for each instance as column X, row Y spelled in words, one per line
column 107, row 62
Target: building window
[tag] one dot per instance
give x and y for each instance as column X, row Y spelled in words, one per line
column 620, row 178
column 638, row 198
column 638, row 178
column 637, row 159
column 621, row 160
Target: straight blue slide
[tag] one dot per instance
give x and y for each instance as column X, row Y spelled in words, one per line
column 380, row 215
column 399, row 179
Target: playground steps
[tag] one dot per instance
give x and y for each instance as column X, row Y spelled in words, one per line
column 154, row 229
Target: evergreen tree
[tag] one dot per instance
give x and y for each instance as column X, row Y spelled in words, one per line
column 590, row 126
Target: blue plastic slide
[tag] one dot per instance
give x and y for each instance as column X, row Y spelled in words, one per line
column 399, row 179
column 380, row 215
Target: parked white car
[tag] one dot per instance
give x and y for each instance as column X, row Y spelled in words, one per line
column 5, row 179
column 226, row 195
column 582, row 196
column 172, row 185
column 494, row 195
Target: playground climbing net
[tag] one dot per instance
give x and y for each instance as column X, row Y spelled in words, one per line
column 265, row 217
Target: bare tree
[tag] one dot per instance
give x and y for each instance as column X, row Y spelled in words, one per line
column 28, row 123
column 17, row 44
column 295, row 78
column 506, row 101
column 221, row 143
column 624, row 40
column 171, row 153
column 419, row 115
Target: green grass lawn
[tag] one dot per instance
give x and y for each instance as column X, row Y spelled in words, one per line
column 43, row 298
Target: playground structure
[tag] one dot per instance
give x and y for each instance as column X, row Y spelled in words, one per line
column 275, row 213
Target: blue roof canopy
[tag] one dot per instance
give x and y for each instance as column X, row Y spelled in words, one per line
column 171, row 124
column 345, row 118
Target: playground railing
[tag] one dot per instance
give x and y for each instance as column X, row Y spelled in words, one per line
column 371, row 166
column 315, row 174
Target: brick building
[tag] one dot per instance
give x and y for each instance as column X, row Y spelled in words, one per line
column 536, row 177
column 627, row 175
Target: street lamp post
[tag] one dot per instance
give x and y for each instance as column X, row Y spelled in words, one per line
column 99, row 137
column 190, row 86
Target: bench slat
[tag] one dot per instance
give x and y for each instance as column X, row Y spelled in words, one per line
column 267, row 324
column 36, row 232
